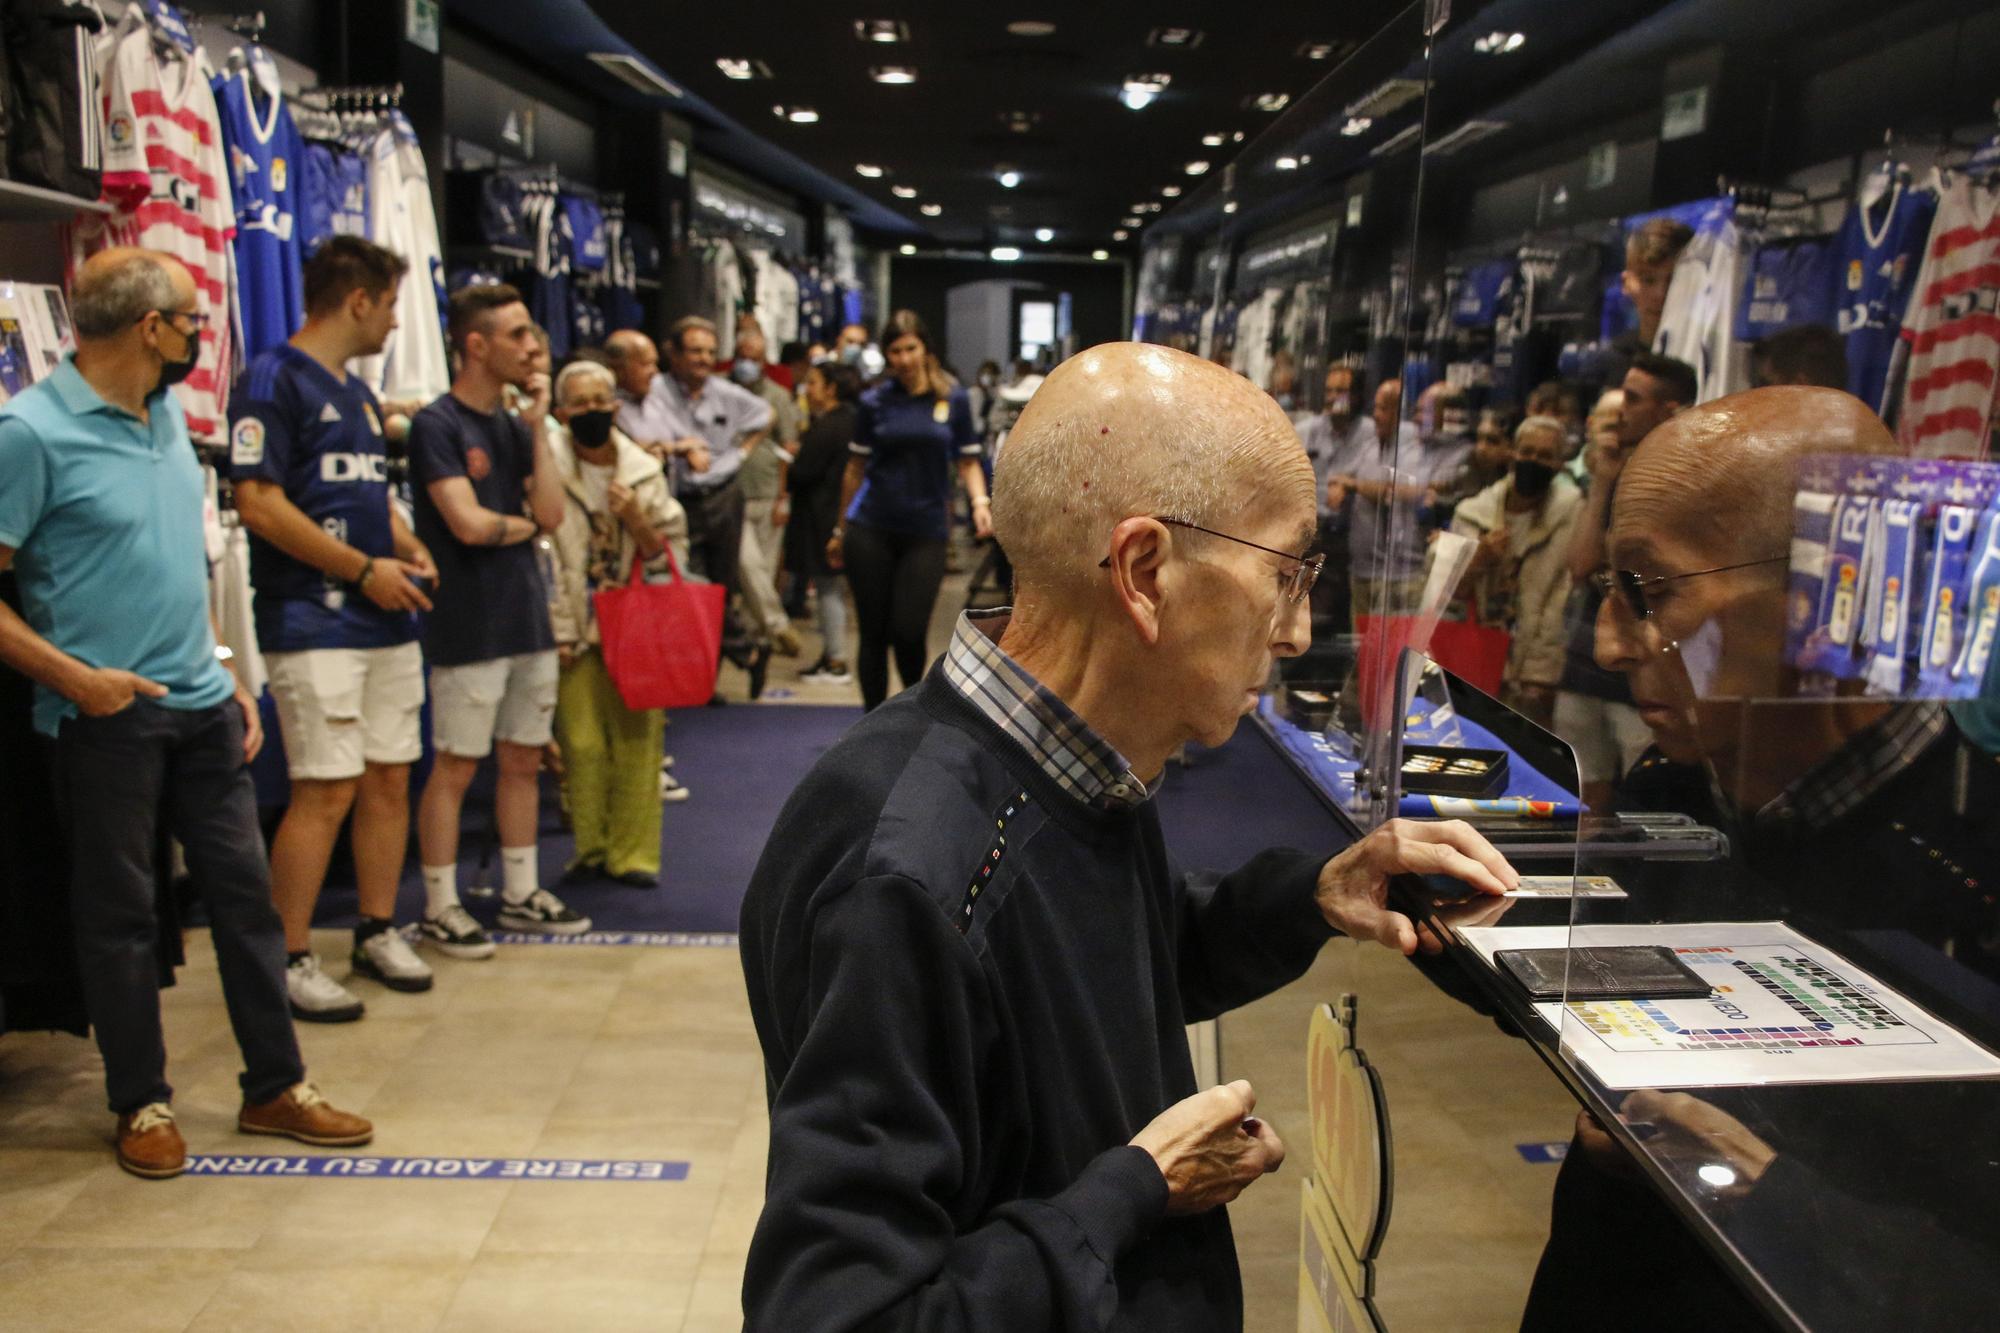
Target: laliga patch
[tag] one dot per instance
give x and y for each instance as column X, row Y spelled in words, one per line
column 120, row 130
column 246, row 443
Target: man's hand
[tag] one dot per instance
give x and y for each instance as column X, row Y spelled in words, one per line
column 1606, row 459
column 253, row 724
column 624, row 504
column 390, row 587
column 695, row 450
column 565, row 655
column 1210, row 1148
column 1336, row 491
column 1489, row 549
column 1353, row 891
column 537, row 389
column 102, row 691
column 781, row 511
column 834, row 556
column 982, row 518
column 420, row 564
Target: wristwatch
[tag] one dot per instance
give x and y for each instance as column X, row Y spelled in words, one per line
column 367, row 573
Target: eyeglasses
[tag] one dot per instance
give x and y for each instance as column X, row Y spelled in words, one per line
column 196, row 319
column 1299, row 579
column 1632, row 586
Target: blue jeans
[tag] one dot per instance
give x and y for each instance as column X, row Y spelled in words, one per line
column 116, row 778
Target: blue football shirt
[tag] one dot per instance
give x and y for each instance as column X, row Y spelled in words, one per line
column 1877, row 255
column 266, row 171
column 912, row 444
column 293, row 423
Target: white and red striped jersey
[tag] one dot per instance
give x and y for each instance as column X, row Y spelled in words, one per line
column 1953, row 328
column 167, row 178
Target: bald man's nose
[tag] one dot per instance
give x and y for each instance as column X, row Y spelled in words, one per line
column 1292, row 631
column 1612, row 642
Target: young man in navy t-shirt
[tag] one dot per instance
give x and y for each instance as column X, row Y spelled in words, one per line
column 338, row 575
column 478, row 473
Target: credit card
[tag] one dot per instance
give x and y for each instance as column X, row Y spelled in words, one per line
column 1566, row 886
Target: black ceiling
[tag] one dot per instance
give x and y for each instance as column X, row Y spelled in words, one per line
column 1087, row 159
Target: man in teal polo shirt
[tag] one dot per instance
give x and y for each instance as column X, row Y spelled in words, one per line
column 100, row 512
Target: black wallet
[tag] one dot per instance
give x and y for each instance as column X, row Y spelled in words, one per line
column 1626, row 972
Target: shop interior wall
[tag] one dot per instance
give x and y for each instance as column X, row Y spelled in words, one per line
column 1097, row 291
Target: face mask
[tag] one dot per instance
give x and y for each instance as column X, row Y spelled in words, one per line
column 173, row 372
column 1339, row 405
column 591, row 429
column 746, row 371
column 1532, row 478
column 850, row 355
column 1454, row 426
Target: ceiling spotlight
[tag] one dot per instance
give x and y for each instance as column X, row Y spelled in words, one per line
column 1008, row 179
column 1356, row 125
column 906, row 250
column 1286, row 164
column 1271, row 101
column 1317, row 50
column 1170, row 192
column 1006, row 254
column 743, row 69
column 931, row 210
column 903, row 191
column 797, row 115
column 882, row 30
column 1183, row 37
column 893, row 73
column 1141, row 89
column 1229, row 207
column 1196, row 168
column 1100, row 254
column 1045, row 234
column 870, row 170
column 1031, row 28
column 1129, row 222
column 1211, row 141
column 1120, row 234
column 1500, row 43
column 1020, row 122
column 1236, row 137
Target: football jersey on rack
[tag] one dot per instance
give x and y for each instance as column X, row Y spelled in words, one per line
column 1876, row 256
column 1953, row 328
column 333, row 195
column 167, row 180
column 400, row 217
column 266, row 181
column 1788, row 284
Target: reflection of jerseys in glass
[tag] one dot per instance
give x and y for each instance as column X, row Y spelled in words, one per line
column 1789, row 284
column 1953, row 328
column 1477, row 302
column 1876, row 257
column 265, row 157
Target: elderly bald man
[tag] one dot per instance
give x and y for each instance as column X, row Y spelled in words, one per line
column 1845, row 814
column 100, row 506
column 970, row 956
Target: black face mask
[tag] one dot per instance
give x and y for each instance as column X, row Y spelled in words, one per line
column 591, row 429
column 1532, row 479
column 173, row 372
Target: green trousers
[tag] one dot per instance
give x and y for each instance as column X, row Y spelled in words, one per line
column 611, row 756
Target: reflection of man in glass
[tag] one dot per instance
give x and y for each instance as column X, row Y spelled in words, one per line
column 1866, row 821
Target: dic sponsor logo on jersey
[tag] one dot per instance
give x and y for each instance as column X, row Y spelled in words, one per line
column 477, row 464
column 246, row 443
column 353, row 467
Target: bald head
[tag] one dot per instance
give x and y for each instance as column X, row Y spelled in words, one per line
column 1129, row 429
column 634, row 360
column 1720, row 478
column 117, row 288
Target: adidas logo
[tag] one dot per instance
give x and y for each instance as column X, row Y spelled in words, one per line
column 328, row 414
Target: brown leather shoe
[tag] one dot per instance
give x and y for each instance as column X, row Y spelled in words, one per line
column 149, row 1144
column 301, row 1113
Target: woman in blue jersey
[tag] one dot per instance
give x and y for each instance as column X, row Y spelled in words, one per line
column 913, row 429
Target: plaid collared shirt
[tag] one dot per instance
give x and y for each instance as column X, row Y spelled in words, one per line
column 1860, row 768
column 1080, row 760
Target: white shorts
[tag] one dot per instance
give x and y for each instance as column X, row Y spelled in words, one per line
column 340, row 709
column 511, row 699
column 1609, row 737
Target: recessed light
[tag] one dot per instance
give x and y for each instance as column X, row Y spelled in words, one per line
column 1356, row 125
column 893, row 73
column 1229, row 207
column 931, row 210
column 903, row 191
column 1140, row 90
column 1008, row 179
column 1170, row 192
column 1271, row 101
column 1020, row 122
column 1182, row 37
column 797, row 115
column 743, row 69
column 1006, row 254
column 1211, row 141
column 1120, row 234
column 870, row 170
column 1129, row 222
column 1286, row 164
column 1100, row 254
column 1236, row 137
column 1031, row 28
column 1045, row 234
column 1196, row 168
column 1500, row 43
column 882, row 30
column 1323, row 50
column 906, row 250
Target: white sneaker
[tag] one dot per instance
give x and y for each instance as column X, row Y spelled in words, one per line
column 456, row 934
column 671, row 788
column 317, row 997
column 388, row 958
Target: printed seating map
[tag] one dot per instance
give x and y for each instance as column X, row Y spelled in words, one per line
column 1784, row 1010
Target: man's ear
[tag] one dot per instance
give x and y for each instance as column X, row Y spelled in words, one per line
column 1139, row 572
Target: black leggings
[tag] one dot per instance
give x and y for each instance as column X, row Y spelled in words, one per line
column 895, row 578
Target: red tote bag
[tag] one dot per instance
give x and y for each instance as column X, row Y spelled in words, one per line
column 661, row 641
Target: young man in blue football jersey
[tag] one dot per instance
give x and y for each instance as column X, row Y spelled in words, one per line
column 338, row 575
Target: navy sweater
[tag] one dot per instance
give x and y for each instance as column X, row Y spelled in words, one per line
column 971, row 990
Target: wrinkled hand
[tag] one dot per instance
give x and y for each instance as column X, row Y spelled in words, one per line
column 253, row 724
column 1353, row 891
column 390, row 587
column 107, row 690
column 1210, row 1148
column 624, row 504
